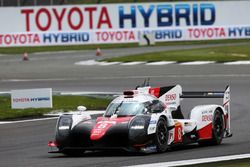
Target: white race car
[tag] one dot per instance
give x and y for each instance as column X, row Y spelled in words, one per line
column 146, row 120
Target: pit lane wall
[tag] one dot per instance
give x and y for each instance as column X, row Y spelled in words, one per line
column 123, row 23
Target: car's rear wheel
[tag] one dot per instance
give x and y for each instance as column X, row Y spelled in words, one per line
column 217, row 130
column 161, row 135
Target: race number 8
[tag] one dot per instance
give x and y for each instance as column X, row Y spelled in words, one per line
column 179, row 134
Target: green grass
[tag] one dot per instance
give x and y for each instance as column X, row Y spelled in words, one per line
column 219, row 54
column 60, row 103
column 21, row 50
column 232, row 163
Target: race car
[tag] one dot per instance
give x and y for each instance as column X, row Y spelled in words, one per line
column 145, row 120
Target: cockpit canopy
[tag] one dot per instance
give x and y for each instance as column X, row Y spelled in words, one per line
column 138, row 104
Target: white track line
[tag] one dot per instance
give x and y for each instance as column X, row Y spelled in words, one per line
column 93, row 62
column 197, row 63
column 87, row 63
column 36, row 80
column 4, row 93
column 160, row 63
column 133, row 63
column 30, row 120
column 103, row 63
column 238, row 63
column 195, row 161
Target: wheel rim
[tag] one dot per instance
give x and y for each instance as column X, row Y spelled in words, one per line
column 162, row 133
column 218, row 125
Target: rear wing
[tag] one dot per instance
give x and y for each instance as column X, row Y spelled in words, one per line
column 211, row 94
column 203, row 94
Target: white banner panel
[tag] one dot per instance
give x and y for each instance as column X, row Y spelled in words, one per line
column 31, row 98
column 123, row 23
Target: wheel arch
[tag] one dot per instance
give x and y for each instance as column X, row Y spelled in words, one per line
column 220, row 109
column 164, row 117
column 223, row 114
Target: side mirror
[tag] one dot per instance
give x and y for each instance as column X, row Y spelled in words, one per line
column 81, row 108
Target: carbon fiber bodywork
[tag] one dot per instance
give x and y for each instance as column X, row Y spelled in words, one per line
column 118, row 136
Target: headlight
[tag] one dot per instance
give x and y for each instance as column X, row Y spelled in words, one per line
column 137, row 127
column 138, row 123
column 64, row 123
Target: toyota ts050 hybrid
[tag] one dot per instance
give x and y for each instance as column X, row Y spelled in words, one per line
column 145, row 120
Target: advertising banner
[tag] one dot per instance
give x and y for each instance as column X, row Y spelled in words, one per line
column 123, row 23
column 31, row 98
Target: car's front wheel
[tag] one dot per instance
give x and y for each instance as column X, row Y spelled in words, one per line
column 161, row 135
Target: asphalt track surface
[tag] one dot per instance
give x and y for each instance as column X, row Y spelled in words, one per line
column 25, row 144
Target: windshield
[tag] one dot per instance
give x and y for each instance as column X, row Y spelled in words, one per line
column 125, row 109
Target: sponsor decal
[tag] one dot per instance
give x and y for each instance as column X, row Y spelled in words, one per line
column 34, row 99
column 73, row 37
column 206, row 112
column 132, row 16
column 115, row 36
column 168, row 14
column 31, row 98
column 170, row 34
column 152, row 122
column 123, row 23
column 239, row 31
column 170, row 97
column 207, row 118
column 206, row 33
column 74, row 18
column 100, row 129
column 103, row 125
column 19, row 39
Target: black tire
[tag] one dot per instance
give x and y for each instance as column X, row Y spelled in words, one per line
column 217, row 130
column 161, row 135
